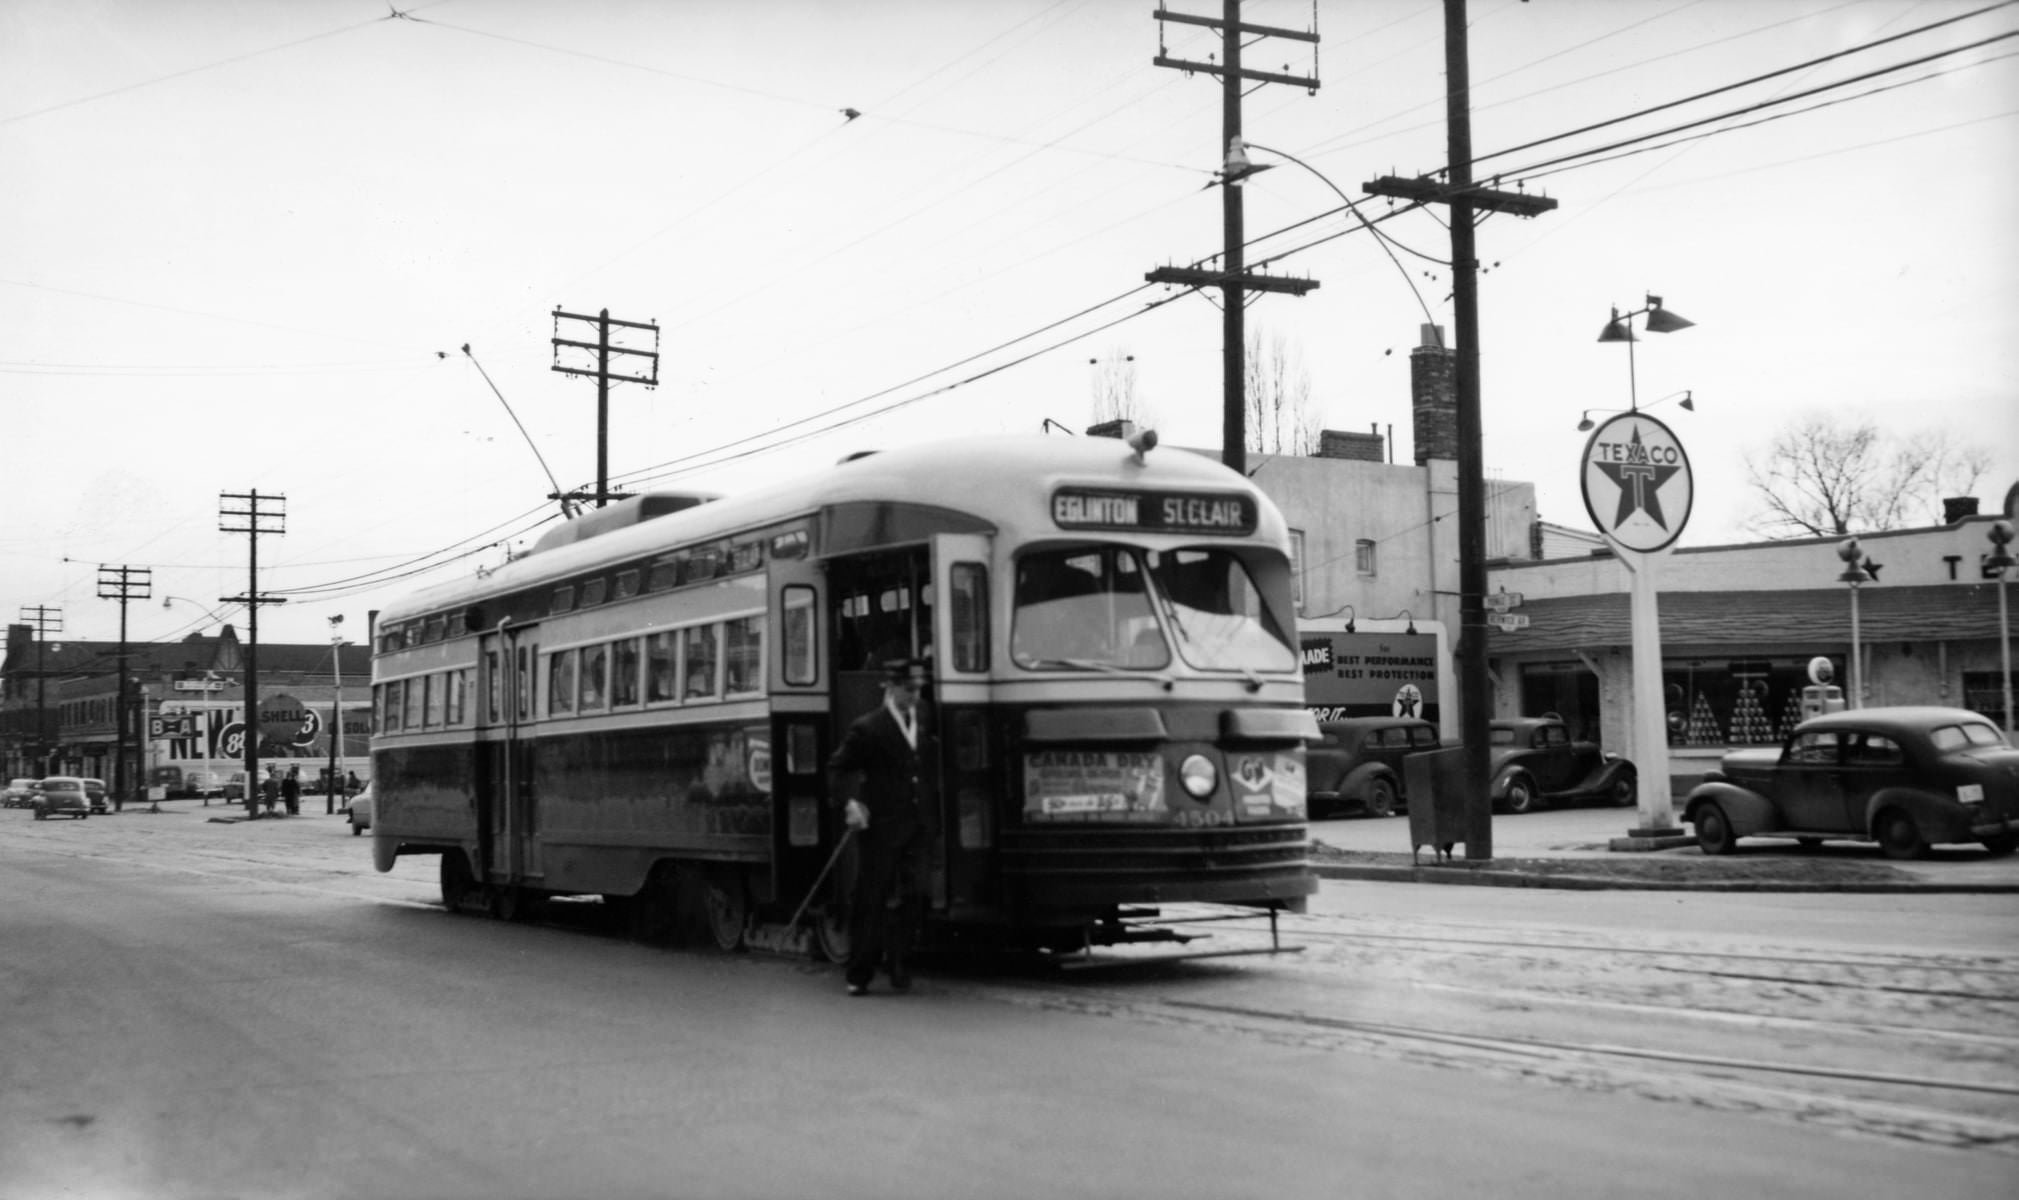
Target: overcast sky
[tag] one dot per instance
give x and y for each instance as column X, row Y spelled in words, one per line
column 246, row 240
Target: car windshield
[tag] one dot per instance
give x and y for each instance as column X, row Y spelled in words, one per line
column 1120, row 607
column 1970, row 733
column 62, row 785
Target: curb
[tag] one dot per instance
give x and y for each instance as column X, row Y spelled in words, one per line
column 1487, row 877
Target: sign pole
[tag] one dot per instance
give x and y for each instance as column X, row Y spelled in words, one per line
column 1638, row 489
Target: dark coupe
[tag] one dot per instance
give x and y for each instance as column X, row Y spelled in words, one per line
column 1359, row 764
column 1535, row 763
column 1906, row 778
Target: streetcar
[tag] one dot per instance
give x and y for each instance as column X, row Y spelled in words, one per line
column 640, row 708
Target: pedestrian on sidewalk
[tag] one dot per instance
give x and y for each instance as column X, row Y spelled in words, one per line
column 269, row 790
column 290, row 791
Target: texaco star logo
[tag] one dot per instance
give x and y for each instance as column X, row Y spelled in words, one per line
column 1637, row 482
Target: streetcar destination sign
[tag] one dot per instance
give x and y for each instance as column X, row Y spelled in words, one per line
column 1156, row 512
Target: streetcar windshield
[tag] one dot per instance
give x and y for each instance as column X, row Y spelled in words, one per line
column 1108, row 607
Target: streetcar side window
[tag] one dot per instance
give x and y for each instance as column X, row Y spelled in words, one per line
column 389, row 709
column 522, row 683
column 662, row 667
column 797, row 635
column 595, row 677
column 493, row 688
column 434, row 690
column 701, row 659
column 459, row 691
column 970, row 616
column 561, row 682
column 415, row 695
column 743, row 655
column 624, row 673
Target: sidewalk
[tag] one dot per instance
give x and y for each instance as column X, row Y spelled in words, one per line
column 1573, row 848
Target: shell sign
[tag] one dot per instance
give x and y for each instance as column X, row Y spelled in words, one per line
column 1637, row 483
column 288, row 721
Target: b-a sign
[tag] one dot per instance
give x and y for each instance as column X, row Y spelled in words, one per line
column 171, row 725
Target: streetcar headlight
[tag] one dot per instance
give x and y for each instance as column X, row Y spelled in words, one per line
column 1199, row 776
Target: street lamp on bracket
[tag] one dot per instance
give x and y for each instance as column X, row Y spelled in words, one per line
column 1620, row 329
column 1586, row 424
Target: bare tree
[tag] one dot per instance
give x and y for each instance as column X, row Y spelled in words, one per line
column 1115, row 397
column 1824, row 478
column 1278, row 394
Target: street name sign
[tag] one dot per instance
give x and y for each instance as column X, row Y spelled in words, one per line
column 1502, row 601
column 1507, row 622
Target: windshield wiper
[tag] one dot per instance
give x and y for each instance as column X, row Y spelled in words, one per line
column 1101, row 668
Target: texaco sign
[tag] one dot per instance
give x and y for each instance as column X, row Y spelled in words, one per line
column 1637, row 482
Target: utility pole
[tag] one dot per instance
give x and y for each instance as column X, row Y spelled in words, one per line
column 1234, row 281
column 1475, row 712
column 46, row 621
column 123, row 584
column 252, row 514
column 603, row 349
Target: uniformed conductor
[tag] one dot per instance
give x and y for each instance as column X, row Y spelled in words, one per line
column 882, row 769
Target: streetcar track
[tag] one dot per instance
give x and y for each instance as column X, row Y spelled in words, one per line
column 1299, row 928
column 1539, row 1047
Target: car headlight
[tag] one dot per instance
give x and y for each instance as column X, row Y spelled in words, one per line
column 1199, row 776
column 1970, row 793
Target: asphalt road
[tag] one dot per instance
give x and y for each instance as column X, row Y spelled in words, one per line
column 248, row 1010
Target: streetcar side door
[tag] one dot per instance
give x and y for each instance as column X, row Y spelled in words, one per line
column 511, row 824
column 799, row 681
column 962, row 615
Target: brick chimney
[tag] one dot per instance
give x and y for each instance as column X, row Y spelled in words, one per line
column 1955, row 508
column 1361, row 447
column 1433, row 391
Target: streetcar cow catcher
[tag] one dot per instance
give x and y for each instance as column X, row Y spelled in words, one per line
column 641, row 708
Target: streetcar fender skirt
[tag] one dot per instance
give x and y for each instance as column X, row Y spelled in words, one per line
column 1099, row 962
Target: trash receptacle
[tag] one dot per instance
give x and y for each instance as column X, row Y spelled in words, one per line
column 1436, row 783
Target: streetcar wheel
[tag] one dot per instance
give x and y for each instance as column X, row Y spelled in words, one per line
column 726, row 908
column 1521, row 796
column 1380, row 798
column 2002, row 844
column 1898, row 836
column 653, row 915
column 1625, row 791
column 830, row 933
column 1714, row 830
column 457, row 881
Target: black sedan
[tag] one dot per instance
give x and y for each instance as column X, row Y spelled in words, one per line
column 1536, row 763
column 1358, row 765
column 1906, row 778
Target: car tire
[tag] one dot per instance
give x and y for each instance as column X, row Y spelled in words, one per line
column 1625, row 790
column 1379, row 796
column 2002, row 844
column 1714, row 831
column 1521, row 796
column 1898, row 836
column 356, row 829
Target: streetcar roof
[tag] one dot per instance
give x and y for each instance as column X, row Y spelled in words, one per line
column 1005, row 481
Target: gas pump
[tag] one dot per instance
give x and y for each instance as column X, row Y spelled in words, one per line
column 1822, row 695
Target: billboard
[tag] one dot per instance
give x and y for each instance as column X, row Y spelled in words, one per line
column 1374, row 672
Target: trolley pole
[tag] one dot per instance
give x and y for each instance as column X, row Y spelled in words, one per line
column 1234, row 281
column 123, row 584
column 603, row 348
column 46, row 621
column 251, row 514
column 1464, row 200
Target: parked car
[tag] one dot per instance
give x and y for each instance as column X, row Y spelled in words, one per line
column 20, row 793
column 360, row 811
column 94, row 793
column 1534, row 763
column 234, row 786
column 1358, row 765
column 200, row 784
column 61, row 796
column 1905, row 777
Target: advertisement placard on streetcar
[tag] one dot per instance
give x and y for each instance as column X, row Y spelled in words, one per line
column 1085, row 785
